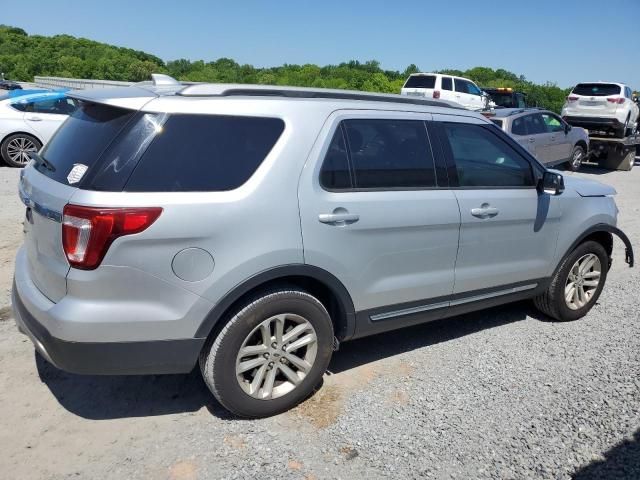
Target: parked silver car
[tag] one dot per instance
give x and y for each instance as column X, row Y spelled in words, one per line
column 253, row 228
column 547, row 136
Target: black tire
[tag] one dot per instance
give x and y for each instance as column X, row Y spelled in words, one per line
column 218, row 357
column 552, row 301
column 5, row 144
column 624, row 131
column 573, row 164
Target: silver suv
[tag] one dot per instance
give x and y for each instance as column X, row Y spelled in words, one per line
column 547, row 136
column 250, row 229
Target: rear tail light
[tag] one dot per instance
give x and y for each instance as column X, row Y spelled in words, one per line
column 618, row 100
column 572, row 98
column 87, row 232
column 436, row 94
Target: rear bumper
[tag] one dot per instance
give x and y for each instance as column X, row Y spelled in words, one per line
column 93, row 336
column 593, row 123
column 109, row 358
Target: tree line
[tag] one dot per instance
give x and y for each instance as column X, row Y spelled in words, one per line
column 24, row 56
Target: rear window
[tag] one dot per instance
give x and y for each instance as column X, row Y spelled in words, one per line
column 597, row 89
column 204, row 153
column 82, row 138
column 421, row 81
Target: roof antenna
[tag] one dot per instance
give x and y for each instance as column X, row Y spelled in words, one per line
column 160, row 80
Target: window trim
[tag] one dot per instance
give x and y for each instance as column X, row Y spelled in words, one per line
column 515, row 146
column 354, row 189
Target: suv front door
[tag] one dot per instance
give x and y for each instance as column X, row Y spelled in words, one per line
column 374, row 215
column 508, row 230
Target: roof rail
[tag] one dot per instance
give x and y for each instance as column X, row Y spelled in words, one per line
column 229, row 90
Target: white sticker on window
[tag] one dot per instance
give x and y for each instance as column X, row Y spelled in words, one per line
column 76, row 173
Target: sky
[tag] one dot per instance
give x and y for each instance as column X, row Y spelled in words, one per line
column 558, row 41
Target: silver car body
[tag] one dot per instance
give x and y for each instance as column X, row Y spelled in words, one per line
column 552, row 143
column 158, row 294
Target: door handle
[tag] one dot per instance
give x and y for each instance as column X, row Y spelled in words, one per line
column 531, row 140
column 34, row 119
column 485, row 211
column 338, row 218
column 553, row 137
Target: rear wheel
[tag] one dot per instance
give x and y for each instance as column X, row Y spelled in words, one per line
column 270, row 355
column 577, row 156
column 577, row 284
column 624, row 131
column 15, row 149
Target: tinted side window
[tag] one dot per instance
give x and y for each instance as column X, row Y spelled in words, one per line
column 483, row 160
column 447, row 83
column 205, row 153
column 390, row 153
column 461, row 86
column 535, row 124
column 335, row 173
column 59, row 106
column 552, row 123
column 517, row 126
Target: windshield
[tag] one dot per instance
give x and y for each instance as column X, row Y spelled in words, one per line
column 597, row 89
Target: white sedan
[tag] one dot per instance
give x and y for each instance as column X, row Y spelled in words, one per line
column 28, row 121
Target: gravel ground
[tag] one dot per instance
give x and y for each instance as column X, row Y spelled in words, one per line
column 502, row 393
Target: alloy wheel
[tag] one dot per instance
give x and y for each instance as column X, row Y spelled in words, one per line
column 576, row 161
column 276, row 356
column 19, row 148
column 583, row 281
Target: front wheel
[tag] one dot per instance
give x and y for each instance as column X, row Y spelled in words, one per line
column 15, row 149
column 577, row 157
column 270, row 355
column 577, row 284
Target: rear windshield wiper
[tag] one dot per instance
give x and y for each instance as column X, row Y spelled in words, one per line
column 40, row 160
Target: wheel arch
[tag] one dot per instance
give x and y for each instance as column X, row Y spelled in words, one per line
column 316, row 281
column 21, row 132
column 603, row 234
column 583, row 144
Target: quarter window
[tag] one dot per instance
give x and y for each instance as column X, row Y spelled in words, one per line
column 204, row 153
column 484, row 160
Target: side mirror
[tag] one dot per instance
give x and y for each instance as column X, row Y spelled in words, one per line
column 567, row 128
column 551, row 183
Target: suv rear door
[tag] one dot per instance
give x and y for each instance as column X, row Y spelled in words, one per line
column 374, row 214
column 508, row 231
column 45, row 190
column 592, row 98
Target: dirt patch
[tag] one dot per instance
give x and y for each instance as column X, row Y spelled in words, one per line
column 234, row 441
column 324, row 408
column 5, row 313
column 294, row 465
column 183, row 470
